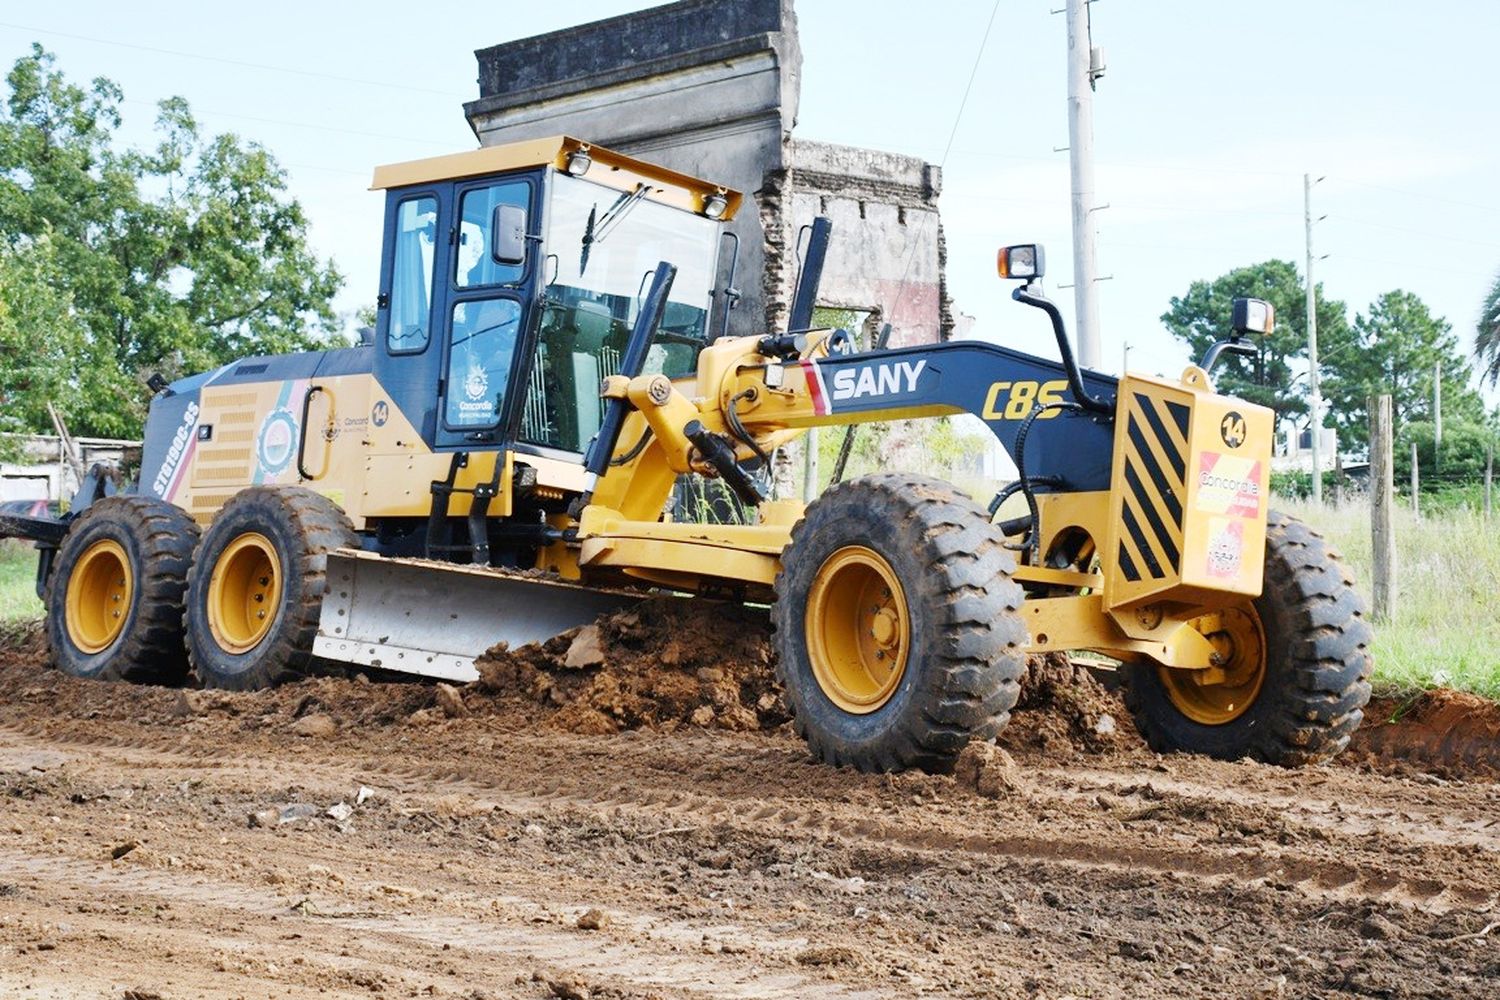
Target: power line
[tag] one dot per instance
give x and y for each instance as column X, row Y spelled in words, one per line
column 969, row 87
column 236, row 62
column 315, row 126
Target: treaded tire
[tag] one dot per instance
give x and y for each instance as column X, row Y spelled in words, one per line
column 157, row 540
column 1317, row 667
column 303, row 527
column 965, row 658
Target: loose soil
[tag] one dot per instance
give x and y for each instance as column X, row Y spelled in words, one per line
column 624, row 812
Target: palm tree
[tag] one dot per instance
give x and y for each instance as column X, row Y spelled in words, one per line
column 1487, row 339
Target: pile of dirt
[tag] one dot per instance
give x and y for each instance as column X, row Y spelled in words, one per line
column 1449, row 733
column 1064, row 708
column 665, row 663
column 24, row 641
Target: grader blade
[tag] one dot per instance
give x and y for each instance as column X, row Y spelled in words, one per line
column 435, row 619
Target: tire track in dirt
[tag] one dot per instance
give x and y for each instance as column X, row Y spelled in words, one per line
column 616, row 789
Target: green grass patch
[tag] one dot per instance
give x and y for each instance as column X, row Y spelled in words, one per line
column 1446, row 629
column 18, row 600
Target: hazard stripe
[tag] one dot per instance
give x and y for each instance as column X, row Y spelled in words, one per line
column 815, row 387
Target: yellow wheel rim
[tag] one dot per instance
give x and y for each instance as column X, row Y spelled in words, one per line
column 858, row 629
column 244, row 593
column 1223, row 693
column 97, row 603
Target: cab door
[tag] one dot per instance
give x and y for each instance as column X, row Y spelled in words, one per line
column 486, row 311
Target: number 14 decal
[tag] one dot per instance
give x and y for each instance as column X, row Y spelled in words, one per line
column 1016, row 400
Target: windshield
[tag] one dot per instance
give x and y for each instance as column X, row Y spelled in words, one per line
column 602, row 246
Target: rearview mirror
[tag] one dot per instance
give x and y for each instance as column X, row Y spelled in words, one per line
column 508, row 240
column 1255, row 316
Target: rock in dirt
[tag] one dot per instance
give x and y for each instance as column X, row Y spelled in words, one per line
column 1378, row 928
column 450, row 702
column 339, row 811
column 120, row 850
column 830, row 955
column 586, row 649
column 986, row 769
column 568, row 989
column 277, row 815
column 316, row 725
column 593, row 919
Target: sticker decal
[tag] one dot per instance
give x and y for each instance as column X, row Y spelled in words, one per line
column 1233, row 429
column 1226, row 546
column 181, row 449
column 1228, row 485
column 380, row 413
column 276, row 442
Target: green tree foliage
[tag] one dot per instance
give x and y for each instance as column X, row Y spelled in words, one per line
column 1459, row 461
column 1395, row 349
column 1202, row 316
column 1487, row 338
column 176, row 259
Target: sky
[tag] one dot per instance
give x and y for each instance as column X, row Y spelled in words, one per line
column 1206, row 120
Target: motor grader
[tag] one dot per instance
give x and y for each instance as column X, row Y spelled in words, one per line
column 498, row 464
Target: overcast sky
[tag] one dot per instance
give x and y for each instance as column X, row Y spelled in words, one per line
column 1205, row 122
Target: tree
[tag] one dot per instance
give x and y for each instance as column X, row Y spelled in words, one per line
column 1395, row 349
column 1487, row 339
column 1271, row 376
column 176, row 259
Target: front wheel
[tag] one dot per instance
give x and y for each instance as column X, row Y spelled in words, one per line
column 898, row 631
column 255, row 592
column 1296, row 671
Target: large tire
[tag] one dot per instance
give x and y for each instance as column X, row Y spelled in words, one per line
column 924, row 559
column 1316, row 665
column 114, row 599
column 256, row 587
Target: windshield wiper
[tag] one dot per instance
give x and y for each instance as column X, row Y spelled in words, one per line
column 597, row 234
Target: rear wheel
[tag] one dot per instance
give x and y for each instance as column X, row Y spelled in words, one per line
column 1296, row 665
column 256, row 588
column 897, row 625
column 114, row 599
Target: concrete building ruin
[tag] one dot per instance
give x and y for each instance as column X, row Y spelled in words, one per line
column 710, row 87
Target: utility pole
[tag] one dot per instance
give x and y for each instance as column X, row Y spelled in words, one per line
column 1082, row 72
column 1316, row 399
column 1382, row 508
column 1437, row 417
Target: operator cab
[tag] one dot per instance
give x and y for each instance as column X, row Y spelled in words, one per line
column 511, row 278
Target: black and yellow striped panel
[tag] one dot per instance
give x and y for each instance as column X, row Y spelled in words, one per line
column 1155, row 484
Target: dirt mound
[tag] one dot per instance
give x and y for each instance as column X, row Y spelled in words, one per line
column 1449, row 733
column 665, row 663
column 23, row 640
column 1064, row 707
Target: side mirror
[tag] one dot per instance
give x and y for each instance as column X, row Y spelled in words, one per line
column 1252, row 316
column 508, row 235
column 1026, row 261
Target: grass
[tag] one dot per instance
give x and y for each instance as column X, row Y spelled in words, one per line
column 1446, row 630
column 18, row 600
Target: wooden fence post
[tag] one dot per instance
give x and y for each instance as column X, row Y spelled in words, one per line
column 1383, row 506
column 1416, row 507
column 1489, row 481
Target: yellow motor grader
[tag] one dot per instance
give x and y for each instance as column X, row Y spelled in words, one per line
column 500, row 462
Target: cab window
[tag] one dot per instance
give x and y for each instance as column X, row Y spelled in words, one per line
column 411, row 276
column 475, row 265
column 483, row 343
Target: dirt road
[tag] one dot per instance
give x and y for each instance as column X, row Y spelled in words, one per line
column 495, row 852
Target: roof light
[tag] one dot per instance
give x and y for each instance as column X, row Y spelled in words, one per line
column 579, row 162
column 1255, row 316
column 715, row 205
column 1026, row 261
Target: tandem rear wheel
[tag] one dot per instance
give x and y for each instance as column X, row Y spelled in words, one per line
column 255, row 590
column 1296, row 671
column 114, row 598
column 898, row 631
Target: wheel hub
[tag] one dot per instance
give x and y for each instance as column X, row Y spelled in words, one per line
column 1224, row 692
column 244, row 593
column 858, row 629
column 98, row 597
